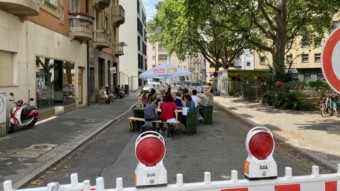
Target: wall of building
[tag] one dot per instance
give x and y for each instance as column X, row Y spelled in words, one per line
column 28, row 40
column 128, row 63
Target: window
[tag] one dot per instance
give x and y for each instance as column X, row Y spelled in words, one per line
column 317, row 58
column 336, row 24
column 138, row 42
column 51, row 2
column 317, row 42
column 289, row 59
column 153, row 47
column 289, row 44
column 162, row 57
column 74, row 5
column 153, row 57
column 106, row 23
column 304, row 58
column 262, row 60
column 248, row 64
column 304, row 42
column 6, row 68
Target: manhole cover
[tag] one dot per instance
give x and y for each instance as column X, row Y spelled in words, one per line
column 33, row 151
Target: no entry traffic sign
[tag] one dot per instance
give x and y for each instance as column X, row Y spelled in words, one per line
column 331, row 60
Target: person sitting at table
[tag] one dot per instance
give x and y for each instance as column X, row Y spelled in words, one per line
column 168, row 108
column 150, row 111
column 206, row 100
column 188, row 102
column 177, row 99
column 153, row 92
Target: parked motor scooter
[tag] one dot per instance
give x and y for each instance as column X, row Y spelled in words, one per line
column 22, row 114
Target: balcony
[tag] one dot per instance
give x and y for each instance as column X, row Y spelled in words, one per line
column 118, row 48
column 21, row 8
column 101, row 4
column 80, row 26
column 118, row 15
column 102, row 39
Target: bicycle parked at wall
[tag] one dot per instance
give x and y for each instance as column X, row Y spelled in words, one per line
column 330, row 105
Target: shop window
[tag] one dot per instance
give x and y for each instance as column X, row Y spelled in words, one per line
column 55, row 82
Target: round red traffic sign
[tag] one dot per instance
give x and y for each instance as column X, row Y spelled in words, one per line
column 331, row 60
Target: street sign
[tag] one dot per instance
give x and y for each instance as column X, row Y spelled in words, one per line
column 150, row 152
column 330, row 58
column 260, row 163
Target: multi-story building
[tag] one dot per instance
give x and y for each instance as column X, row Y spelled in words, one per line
column 157, row 54
column 304, row 59
column 133, row 34
column 58, row 51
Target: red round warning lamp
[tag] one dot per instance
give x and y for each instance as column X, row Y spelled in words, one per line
column 150, row 150
column 261, row 145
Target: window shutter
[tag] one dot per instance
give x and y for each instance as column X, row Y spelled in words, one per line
column 6, row 68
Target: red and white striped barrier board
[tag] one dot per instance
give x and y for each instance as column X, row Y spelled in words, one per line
column 313, row 182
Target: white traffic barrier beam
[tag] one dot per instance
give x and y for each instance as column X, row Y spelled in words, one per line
column 260, row 163
column 320, row 182
column 150, row 152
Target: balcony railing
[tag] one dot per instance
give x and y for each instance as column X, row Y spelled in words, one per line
column 101, row 4
column 118, row 15
column 102, row 39
column 118, row 48
column 80, row 26
column 21, row 8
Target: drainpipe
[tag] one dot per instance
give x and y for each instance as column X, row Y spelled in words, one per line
column 88, row 61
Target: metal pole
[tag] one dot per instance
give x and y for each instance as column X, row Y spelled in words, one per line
column 88, row 61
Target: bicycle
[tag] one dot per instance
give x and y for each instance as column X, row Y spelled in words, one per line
column 330, row 106
column 325, row 106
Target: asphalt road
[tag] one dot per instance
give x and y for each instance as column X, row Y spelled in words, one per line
column 217, row 148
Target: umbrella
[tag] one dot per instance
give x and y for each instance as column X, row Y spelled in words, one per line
column 164, row 70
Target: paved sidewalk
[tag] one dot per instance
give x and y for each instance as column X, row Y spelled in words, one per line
column 27, row 153
column 308, row 132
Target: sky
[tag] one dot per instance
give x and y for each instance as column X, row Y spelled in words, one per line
column 150, row 8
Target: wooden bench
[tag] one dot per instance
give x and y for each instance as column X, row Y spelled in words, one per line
column 170, row 128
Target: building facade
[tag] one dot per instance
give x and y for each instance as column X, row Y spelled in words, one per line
column 133, row 34
column 58, row 52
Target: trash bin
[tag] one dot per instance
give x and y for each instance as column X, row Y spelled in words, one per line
column 127, row 90
column 191, row 123
column 138, row 112
column 207, row 113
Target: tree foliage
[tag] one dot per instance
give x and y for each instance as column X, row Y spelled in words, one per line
column 270, row 24
column 197, row 27
column 215, row 27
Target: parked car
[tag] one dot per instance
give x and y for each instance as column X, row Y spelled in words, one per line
column 148, row 87
column 197, row 86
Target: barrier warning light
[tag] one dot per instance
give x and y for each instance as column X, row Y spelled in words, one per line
column 150, row 152
column 260, row 163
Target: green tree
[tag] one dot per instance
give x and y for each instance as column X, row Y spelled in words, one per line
column 270, row 24
column 188, row 29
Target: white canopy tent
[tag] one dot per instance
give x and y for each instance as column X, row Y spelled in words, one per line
column 164, row 70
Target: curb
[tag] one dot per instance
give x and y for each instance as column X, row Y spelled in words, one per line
column 279, row 138
column 62, row 153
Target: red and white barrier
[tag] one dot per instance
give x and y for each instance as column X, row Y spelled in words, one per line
column 313, row 182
